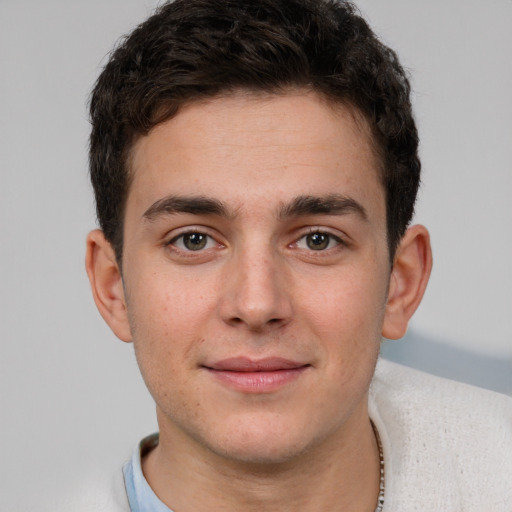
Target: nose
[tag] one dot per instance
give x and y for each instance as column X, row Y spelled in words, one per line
column 256, row 293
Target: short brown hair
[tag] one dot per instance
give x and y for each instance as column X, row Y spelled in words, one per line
column 194, row 49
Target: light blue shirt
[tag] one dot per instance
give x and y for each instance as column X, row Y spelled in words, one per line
column 140, row 495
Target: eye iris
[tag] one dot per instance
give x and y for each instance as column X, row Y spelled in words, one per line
column 195, row 241
column 317, row 241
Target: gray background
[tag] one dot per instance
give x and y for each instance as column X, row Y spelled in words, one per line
column 71, row 396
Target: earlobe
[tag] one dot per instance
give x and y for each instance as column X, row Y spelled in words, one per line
column 409, row 278
column 107, row 284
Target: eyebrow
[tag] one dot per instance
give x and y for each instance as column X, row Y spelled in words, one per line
column 332, row 204
column 196, row 205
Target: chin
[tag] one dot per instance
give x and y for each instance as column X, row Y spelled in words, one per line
column 261, row 454
column 270, row 443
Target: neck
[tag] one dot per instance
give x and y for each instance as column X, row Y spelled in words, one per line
column 339, row 473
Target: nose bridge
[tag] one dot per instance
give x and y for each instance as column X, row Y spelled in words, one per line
column 255, row 291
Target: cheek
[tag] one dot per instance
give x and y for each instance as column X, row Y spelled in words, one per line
column 167, row 303
column 347, row 304
column 166, row 320
column 347, row 320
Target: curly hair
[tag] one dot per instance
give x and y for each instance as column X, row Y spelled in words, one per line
column 195, row 49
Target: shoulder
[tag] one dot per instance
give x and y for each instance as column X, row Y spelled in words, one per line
column 101, row 491
column 445, row 442
column 415, row 389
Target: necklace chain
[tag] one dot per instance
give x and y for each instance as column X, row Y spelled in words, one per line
column 380, row 499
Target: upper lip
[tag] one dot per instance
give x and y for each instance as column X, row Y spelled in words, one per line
column 245, row 364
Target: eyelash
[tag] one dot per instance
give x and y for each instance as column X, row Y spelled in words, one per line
column 329, row 236
column 208, row 240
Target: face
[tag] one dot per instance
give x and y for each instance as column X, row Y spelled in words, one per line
column 255, row 272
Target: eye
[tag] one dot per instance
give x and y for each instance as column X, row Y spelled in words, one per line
column 193, row 241
column 318, row 241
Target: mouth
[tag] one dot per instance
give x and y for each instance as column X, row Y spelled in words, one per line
column 256, row 376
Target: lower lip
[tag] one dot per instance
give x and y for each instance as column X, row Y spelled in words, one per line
column 258, row 382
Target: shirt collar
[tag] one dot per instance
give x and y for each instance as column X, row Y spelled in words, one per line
column 140, row 495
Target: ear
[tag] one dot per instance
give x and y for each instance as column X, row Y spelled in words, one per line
column 409, row 278
column 107, row 284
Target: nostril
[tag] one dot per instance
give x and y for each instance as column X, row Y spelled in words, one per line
column 256, row 326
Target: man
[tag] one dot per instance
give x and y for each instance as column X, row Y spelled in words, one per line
column 255, row 169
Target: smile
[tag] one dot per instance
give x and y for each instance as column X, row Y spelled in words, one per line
column 261, row 376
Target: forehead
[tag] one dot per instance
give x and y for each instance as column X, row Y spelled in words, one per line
column 255, row 147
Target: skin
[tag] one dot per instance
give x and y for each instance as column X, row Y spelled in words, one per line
column 273, row 280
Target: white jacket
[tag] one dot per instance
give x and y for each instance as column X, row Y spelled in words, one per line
column 447, row 448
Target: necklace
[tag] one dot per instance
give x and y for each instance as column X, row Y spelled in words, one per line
column 380, row 499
